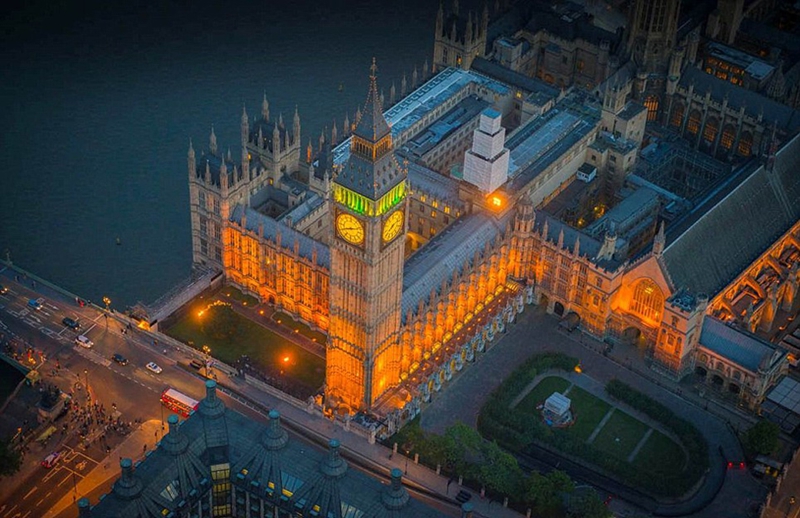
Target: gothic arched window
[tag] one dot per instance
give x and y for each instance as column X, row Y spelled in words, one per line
column 648, row 301
column 728, row 134
column 693, row 126
column 745, row 144
column 710, row 130
column 677, row 116
column 651, row 103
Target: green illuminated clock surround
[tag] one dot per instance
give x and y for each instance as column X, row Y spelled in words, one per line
column 362, row 205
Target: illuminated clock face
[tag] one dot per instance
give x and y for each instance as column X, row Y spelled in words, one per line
column 350, row 228
column 393, row 226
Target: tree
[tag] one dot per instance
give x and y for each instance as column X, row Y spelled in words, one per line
column 762, row 438
column 10, row 459
column 587, row 504
column 499, row 472
column 461, row 447
column 545, row 493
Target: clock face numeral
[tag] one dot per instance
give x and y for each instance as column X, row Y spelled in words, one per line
column 393, row 226
column 350, row 228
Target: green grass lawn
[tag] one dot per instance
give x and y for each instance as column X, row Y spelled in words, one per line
column 230, row 335
column 588, row 410
column 660, row 453
column 285, row 320
column 542, row 391
column 620, row 435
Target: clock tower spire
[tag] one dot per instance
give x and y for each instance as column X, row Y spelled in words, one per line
column 367, row 255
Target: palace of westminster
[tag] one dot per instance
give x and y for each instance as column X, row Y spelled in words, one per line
column 637, row 174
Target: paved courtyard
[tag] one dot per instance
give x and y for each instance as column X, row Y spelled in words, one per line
column 536, row 332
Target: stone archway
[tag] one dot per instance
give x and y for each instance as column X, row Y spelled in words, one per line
column 544, row 301
column 717, row 380
column 735, row 389
column 700, row 371
column 633, row 336
column 558, row 309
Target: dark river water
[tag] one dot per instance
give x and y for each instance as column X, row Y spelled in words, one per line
column 99, row 101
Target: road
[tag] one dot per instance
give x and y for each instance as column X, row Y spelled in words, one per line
column 126, row 392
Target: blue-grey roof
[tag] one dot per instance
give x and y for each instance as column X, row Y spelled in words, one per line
column 570, row 26
column 464, row 111
column 642, row 199
column 423, row 100
column 443, row 188
column 544, row 140
column 740, row 347
column 301, row 211
column 754, row 103
column 512, row 78
column 270, row 228
column 707, row 249
column 449, row 252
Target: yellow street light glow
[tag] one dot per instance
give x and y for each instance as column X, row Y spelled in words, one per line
column 285, row 359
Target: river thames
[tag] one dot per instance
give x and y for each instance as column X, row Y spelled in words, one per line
column 100, row 101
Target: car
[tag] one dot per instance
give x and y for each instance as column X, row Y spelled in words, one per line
column 3, row 290
column 71, row 323
column 154, row 368
column 84, row 341
column 196, row 364
column 35, row 304
column 120, row 359
column 51, row 460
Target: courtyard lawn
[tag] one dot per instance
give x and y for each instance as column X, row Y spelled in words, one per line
column 588, row 411
column 230, row 335
column 662, row 453
column 620, row 435
column 299, row 327
column 542, row 391
column 229, row 294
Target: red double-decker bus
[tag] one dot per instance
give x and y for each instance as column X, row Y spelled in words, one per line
column 178, row 402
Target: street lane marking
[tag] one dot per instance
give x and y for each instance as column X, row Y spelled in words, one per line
column 29, row 492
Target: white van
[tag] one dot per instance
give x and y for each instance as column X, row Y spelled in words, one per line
column 84, row 342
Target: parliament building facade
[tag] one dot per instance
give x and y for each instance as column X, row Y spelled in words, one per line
column 413, row 271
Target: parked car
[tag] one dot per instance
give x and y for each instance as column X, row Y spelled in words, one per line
column 196, row 364
column 120, row 359
column 51, row 460
column 84, row 341
column 154, row 368
column 71, row 323
column 35, row 304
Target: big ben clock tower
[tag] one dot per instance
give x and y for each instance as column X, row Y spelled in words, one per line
column 367, row 253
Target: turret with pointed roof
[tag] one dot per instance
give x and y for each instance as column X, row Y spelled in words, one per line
column 372, row 169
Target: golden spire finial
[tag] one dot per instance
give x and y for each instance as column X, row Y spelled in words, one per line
column 373, row 69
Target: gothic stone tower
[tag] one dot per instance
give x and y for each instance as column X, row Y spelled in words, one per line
column 366, row 276
column 458, row 40
column 653, row 29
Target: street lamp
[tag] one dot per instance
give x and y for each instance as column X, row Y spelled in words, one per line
column 107, row 302
column 207, row 351
column 88, row 393
column 407, row 451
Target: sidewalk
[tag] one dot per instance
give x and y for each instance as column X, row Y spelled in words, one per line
column 103, row 474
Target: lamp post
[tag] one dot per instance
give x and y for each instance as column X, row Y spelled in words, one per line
column 407, row 452
column 107, row 302
column 207, row 351
column 88, row 393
